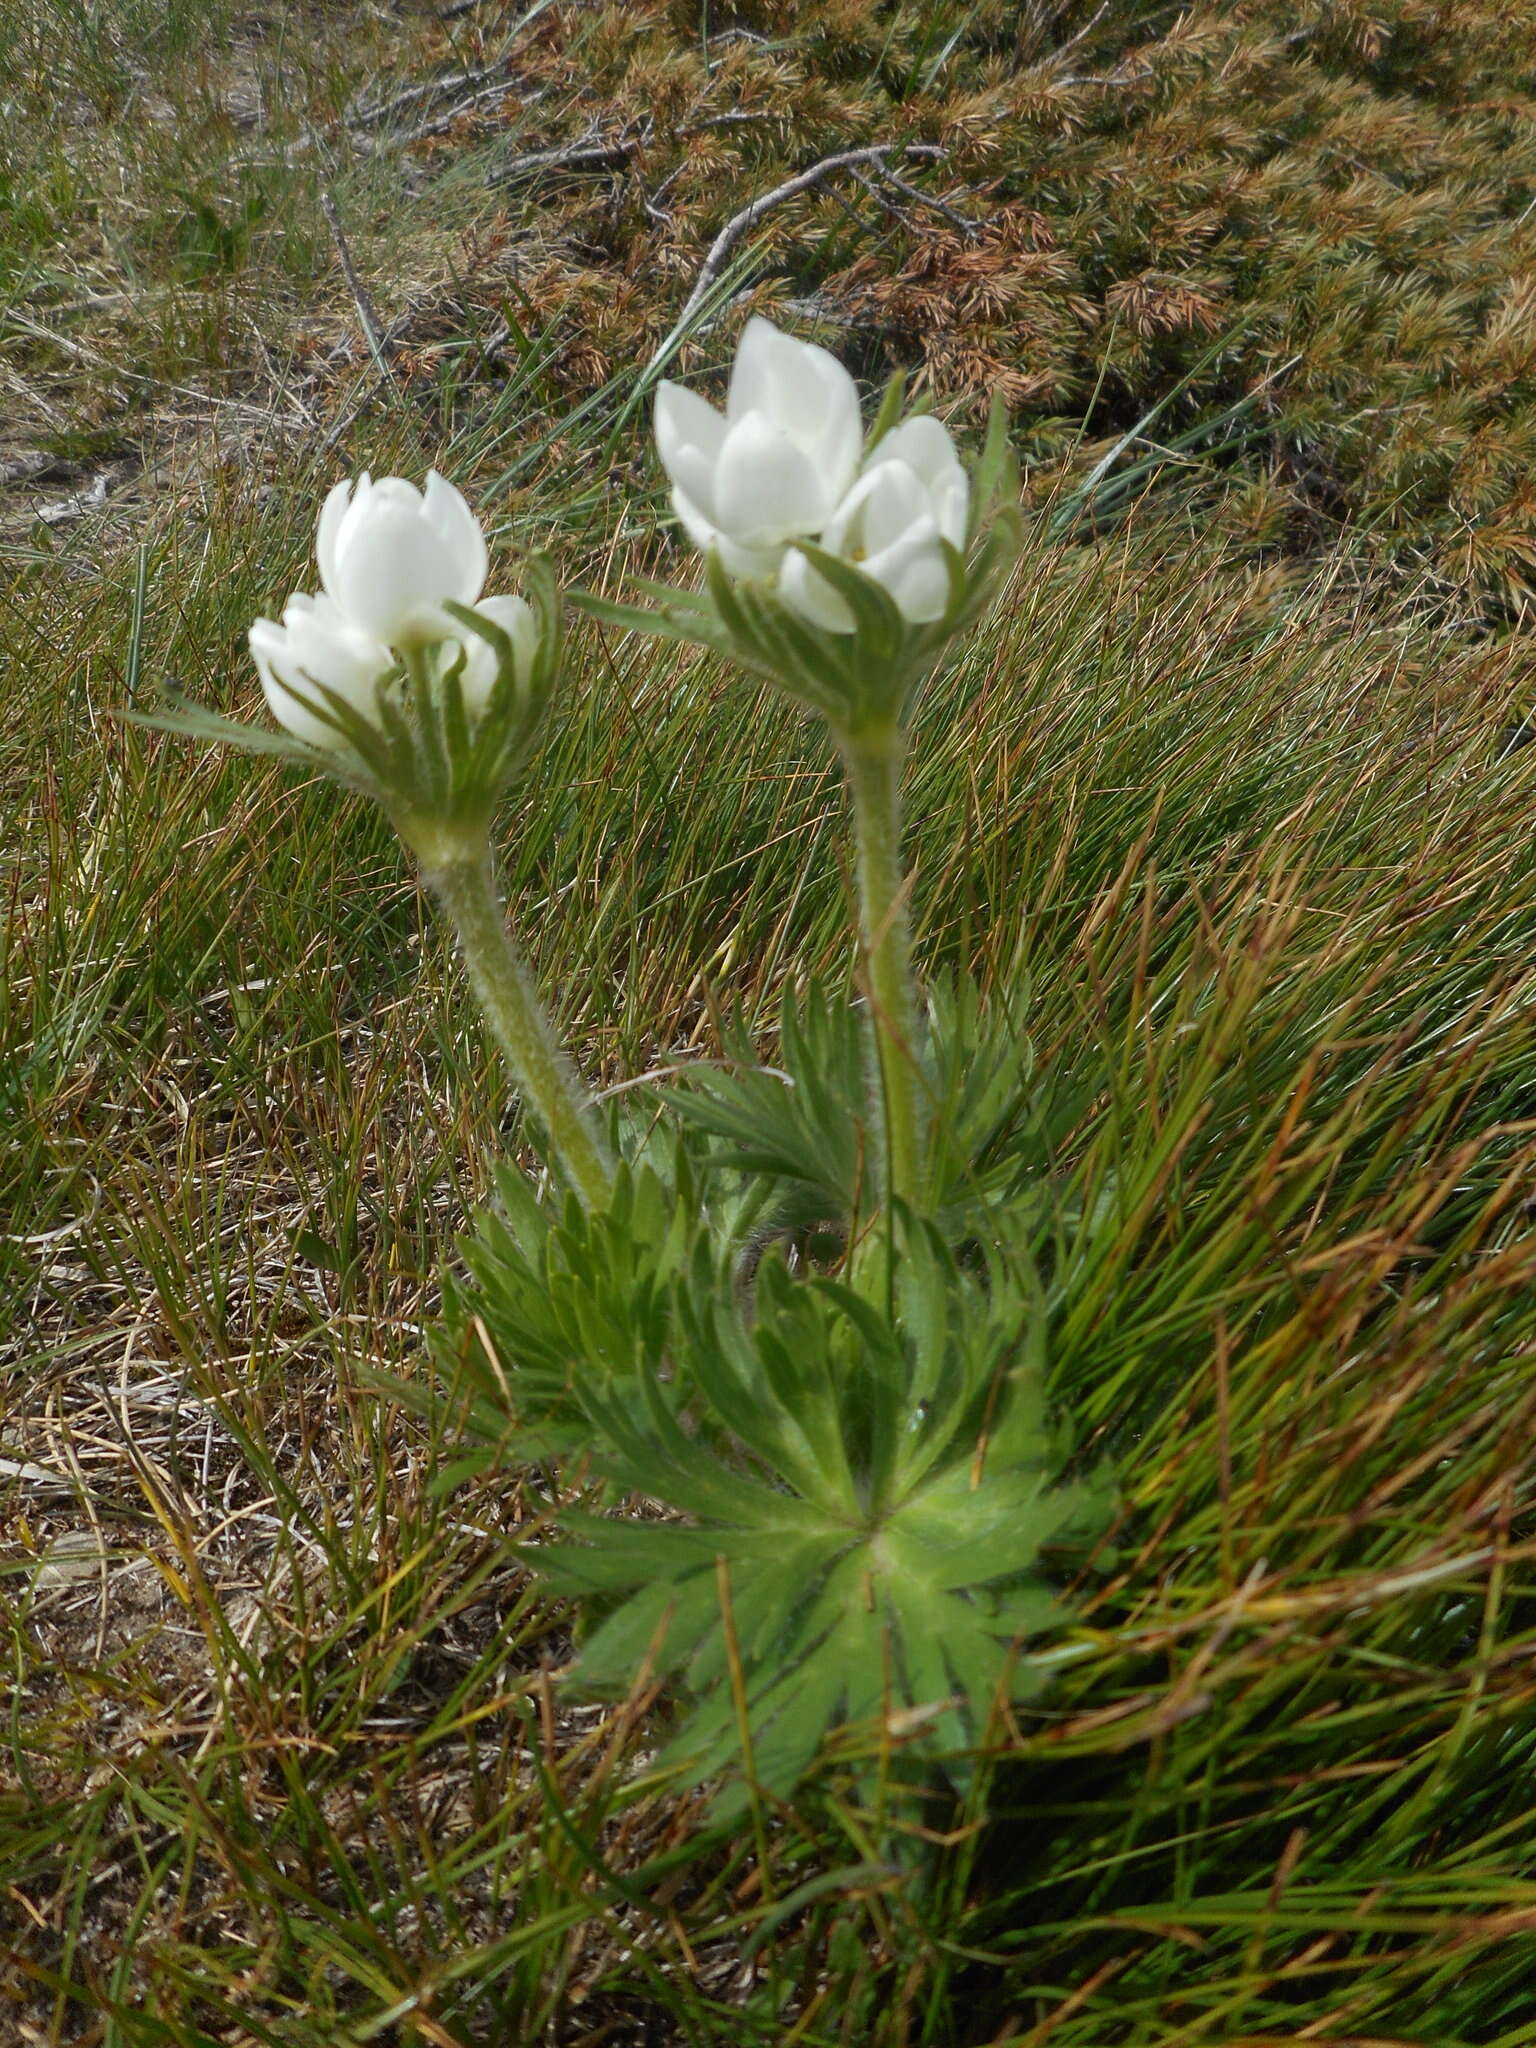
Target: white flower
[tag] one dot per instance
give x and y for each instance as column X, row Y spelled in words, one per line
column 912, row 497
column 317, row 644
column 776, row 465
column 516, row 619
column 389, row 555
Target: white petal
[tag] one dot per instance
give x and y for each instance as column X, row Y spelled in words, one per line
column 894, row 502
column 844, row 529
column 269, row 650
column 766, row 486
column 844, row 519
column 806, row 393
column 699, row 527
column 770, row 373
column 517, row 620
column 292, row 716
column 924, row 445
column 392, row 572
column 332, row 512
column 912, row 570
column 396, row 491
column 478, row 676
column 840, row 428
column 268, row 644
column 758, row 369
column 922, row 590
column 952, row 509
column 812, row 596
column 692, row 471
column 325, row 647
column 926, row 449
column 689, row 434
column 447, row 510
column 747, row 562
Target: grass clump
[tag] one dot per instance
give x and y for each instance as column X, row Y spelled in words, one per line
column 1284, row 932
column 288, row 1755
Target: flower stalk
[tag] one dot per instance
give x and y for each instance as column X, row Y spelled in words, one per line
column 462, row 880
column 873, row 758
column 408, row 685
column 838, row 568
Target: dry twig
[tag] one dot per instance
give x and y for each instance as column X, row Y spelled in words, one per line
column 1082, row 35
column 962, row 222
column 586, row 155
column 368, row 318
column 748, row 217
column 439, row 124
column 434, row 89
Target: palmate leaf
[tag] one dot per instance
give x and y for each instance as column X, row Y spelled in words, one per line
column 800, row 1122
column 992, row 1125
column 553, row 1294
column 556, row 1298
column 858, row 1498
column 934, row 1609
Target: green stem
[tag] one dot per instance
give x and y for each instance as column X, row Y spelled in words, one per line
column 873, row 758
column 463, row 883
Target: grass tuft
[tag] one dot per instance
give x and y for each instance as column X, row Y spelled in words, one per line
column 1234, row 823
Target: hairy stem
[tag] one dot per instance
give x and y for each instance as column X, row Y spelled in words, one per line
column 466, row 888
column 873, row 758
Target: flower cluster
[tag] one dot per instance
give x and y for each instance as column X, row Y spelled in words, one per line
column 391, row 558
column 786, row 464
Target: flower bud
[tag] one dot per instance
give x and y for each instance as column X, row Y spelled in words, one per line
column 844, row 603
column 893, row 525
column 390, row 554
column 776, row 465
column 317, row 648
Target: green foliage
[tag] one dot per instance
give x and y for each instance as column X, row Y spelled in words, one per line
column 1262, row 860
column 215, row 234
column 865, row 1483
column 800, row 1125
column 992, row 1124
column 561, row 1307
column 858, row 1474
column 867, row 1497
